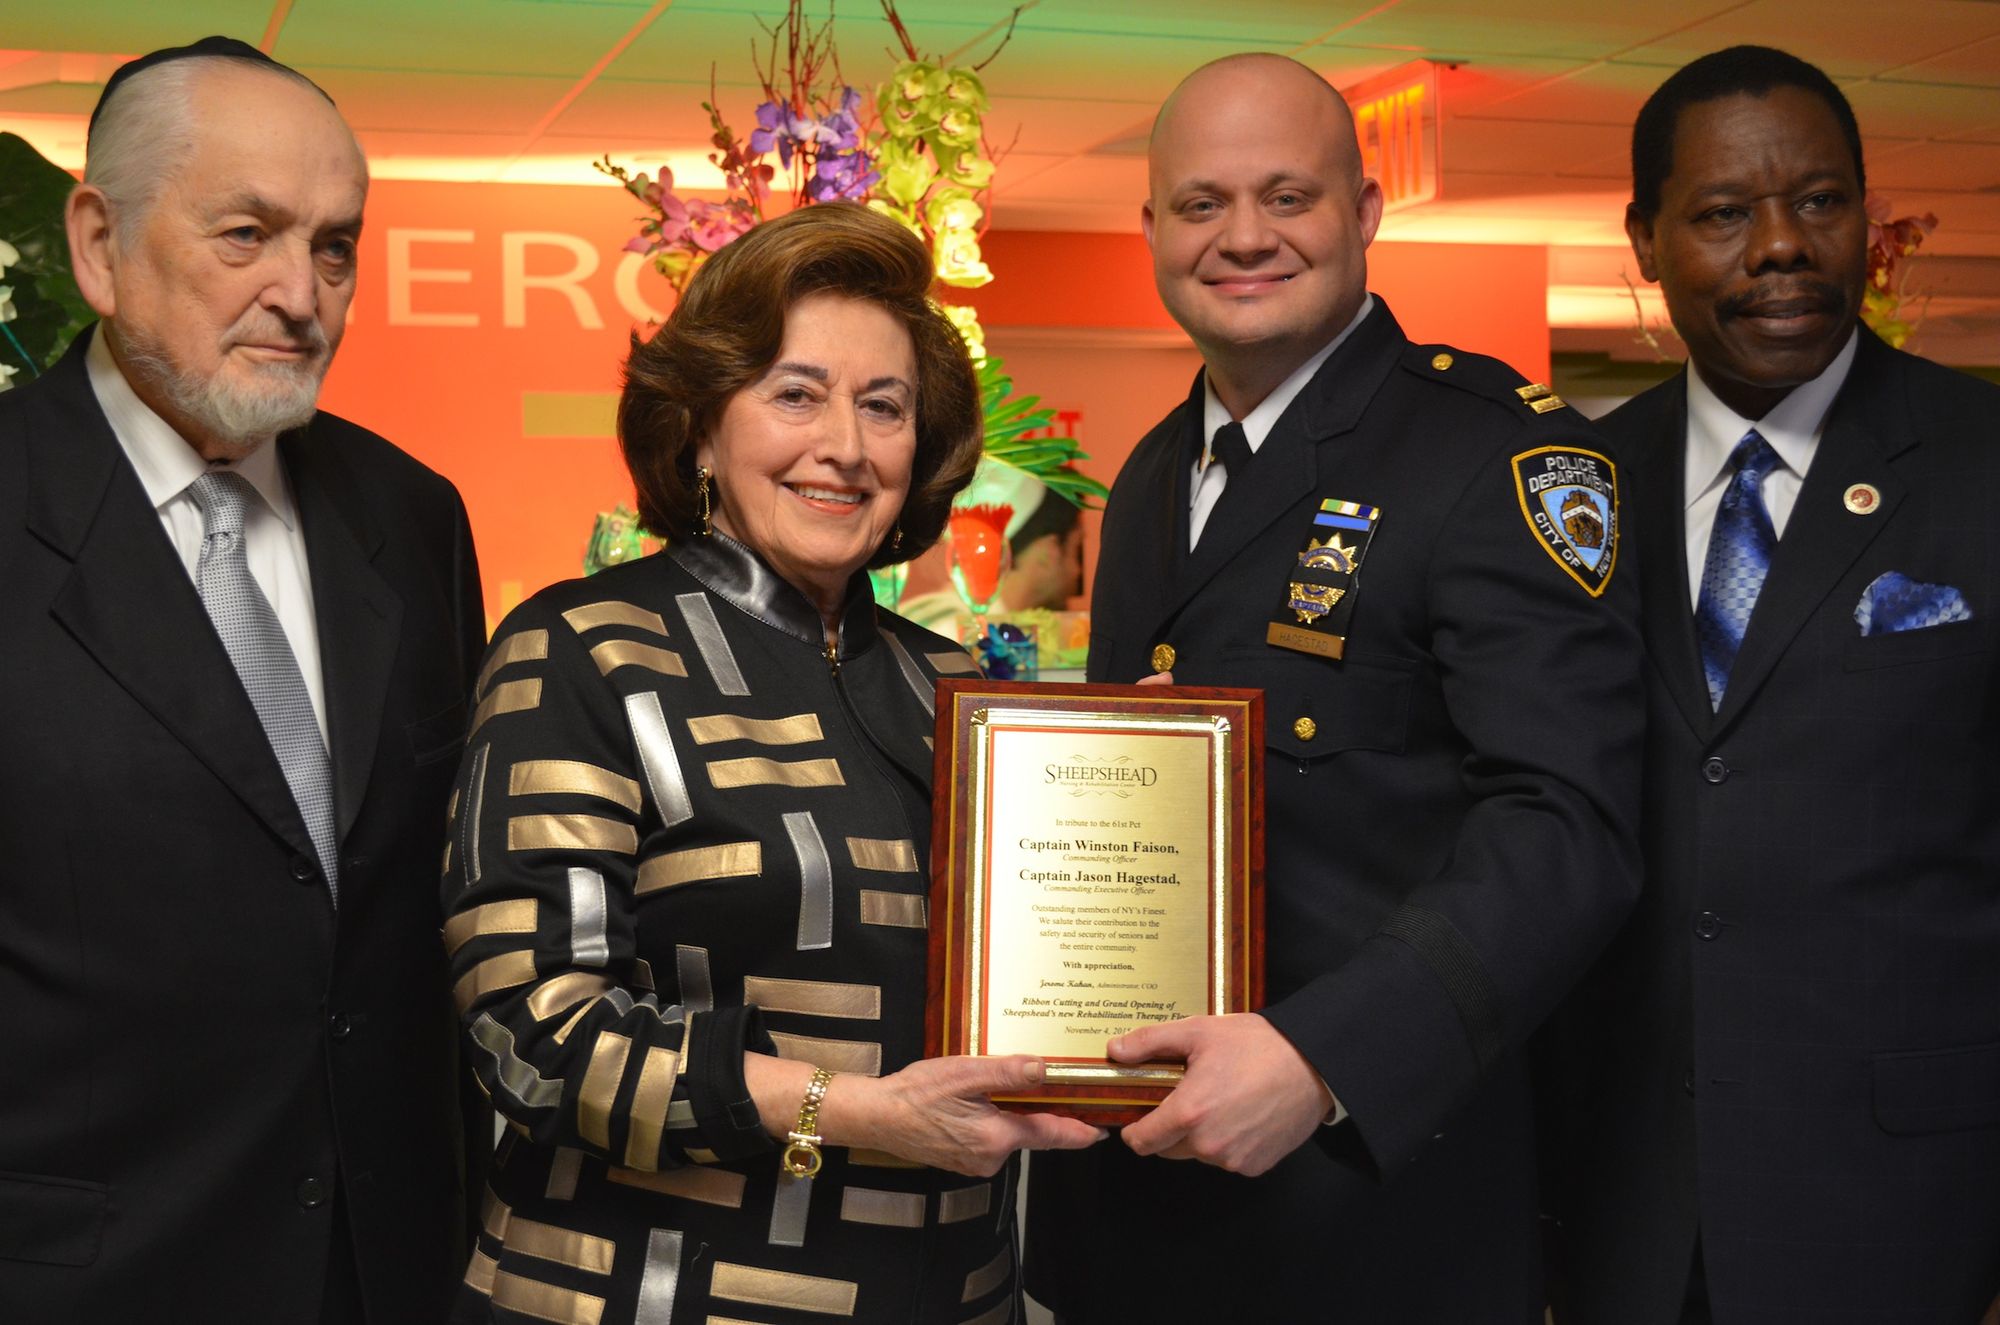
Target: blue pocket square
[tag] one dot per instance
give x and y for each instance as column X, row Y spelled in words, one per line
column 1893, row 603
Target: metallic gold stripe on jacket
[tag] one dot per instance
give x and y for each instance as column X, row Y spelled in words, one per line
column 817, row 998
column 867, row 1205
column 565, row 1306
column 656, row 756
column 775, row 1288
column 815, row 882
column 795, row 730
column 919, row 683
column 594, row 615
column 963, row 1203
column 896, row 855
column 660, row 1280
column 837, row 1055
column 479, row 1273
column 588, row 908
column 515, row 916
column 691, row 969
column 502, row 972
column 521, row 646
column 699, row 614
column 722, row 1187
column 906, row 910
column 507, row 697
column 570, row 832
column 512, row 1072
column 546, row 1242
column 493, row 1215
column 649, row 1107
column 615, row 653
column 600, row 1087
column 570, row 777
column 564, row 992
column 988, row 1276
column 953, row 662
column 756, row 771
column 475, row 806
column 724, row 860
column 791, row 1204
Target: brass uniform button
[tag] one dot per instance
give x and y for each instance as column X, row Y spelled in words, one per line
column 1441, row 362
column 1163, row 657
column 1305, row 729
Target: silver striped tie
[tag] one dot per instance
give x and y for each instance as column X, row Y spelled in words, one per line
column 263, row 657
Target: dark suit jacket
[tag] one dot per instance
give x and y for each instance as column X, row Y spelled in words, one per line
column 1448, row 846
column 205, row 1062
column 1795, row 1044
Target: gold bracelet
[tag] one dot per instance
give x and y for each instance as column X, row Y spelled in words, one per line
column 802, row 1157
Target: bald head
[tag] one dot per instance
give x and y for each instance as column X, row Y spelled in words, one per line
column 1256, row 83
column 1258, row 218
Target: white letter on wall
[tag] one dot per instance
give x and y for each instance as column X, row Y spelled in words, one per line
column 515, row 281
column 402, row 276
column 626, row 283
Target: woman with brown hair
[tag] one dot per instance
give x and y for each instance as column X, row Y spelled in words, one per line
column 691, row 840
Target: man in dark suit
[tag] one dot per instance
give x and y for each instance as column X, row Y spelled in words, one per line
column 1780, row 1090
column 1416, row 556
column 238, row 635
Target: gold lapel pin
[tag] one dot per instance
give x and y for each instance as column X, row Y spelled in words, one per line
column 1862, row 499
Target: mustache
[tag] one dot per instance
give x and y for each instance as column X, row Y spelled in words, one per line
column 1803, row 296
column 264, row 327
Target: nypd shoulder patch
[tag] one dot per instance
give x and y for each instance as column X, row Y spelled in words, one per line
column 1569, row 498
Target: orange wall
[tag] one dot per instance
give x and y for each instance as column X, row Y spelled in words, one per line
column 475, row 295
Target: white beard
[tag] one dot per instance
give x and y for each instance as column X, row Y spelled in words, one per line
column 241, row 417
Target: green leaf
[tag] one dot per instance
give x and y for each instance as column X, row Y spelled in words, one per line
column 32, row 193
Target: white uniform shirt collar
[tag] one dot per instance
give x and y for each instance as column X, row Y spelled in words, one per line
column 166, row 464
column 1257, row 424
column 1793, row 428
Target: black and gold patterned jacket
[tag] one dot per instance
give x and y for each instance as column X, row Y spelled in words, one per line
column 683, row 831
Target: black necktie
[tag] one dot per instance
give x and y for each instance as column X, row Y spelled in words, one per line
column 1230, row 449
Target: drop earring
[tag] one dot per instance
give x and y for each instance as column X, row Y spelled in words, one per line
column 701, row 496
column 896, row 539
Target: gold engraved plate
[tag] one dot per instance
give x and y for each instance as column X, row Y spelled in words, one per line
column 1098, row 859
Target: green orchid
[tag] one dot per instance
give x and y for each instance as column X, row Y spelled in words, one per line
column 957, row 128
column 902, row 215
column 958, row 259
column 907, row 170
column 963, row 89
column 952, row 208
column 967, row 169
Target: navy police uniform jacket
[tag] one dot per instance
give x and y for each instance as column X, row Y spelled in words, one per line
column 1451, row 822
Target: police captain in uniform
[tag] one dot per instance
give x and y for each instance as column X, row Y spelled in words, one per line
column 1415, row 554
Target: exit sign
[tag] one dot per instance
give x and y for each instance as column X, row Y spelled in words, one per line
column 1396, row 119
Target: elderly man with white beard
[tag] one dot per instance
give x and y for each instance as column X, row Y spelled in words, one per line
column 240, row 637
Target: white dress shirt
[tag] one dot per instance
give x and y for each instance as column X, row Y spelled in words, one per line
column 272, row 539
column 1205, row 489
column 1793, row 430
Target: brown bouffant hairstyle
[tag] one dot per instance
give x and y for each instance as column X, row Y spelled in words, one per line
column 729, row 327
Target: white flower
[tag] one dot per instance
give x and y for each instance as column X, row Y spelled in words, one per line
column 7, row 371
column 6, row 303
column 9, row 256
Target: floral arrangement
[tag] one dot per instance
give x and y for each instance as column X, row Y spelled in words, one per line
column 915, row 150
column 41, row 310
column 1889, row 242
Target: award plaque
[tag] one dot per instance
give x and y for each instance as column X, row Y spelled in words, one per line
column 1097, row 865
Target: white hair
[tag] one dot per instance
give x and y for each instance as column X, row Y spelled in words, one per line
column 145, row 131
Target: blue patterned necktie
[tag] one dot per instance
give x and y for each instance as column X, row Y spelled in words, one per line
column 1739, row 557
column 263, row 657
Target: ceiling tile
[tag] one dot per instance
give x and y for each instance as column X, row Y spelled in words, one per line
column 1559, row 30
column 452, row 36
column 439, row 102
column 1847, row 38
